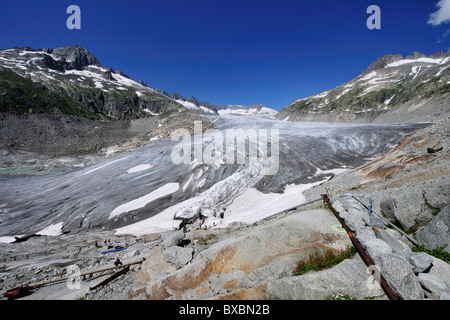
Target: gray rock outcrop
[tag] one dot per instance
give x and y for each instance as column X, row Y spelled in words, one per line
column 436, row 234
column 350, row 277
column 172, row 238
column 246, row 262
column 178, row 256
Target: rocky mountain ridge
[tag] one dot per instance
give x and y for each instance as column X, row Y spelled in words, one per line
column 75, row 72
column 391, row 89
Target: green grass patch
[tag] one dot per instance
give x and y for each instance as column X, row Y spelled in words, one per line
column 437, row 253
column 323, row 261
column 436, row 212
column 19, row 95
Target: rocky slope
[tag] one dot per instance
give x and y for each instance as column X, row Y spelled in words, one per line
column 391, row 89
column 73, row 74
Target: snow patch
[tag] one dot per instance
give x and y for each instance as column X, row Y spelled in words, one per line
column 141, row 202
column 332, row 171
column 139, row 168
column 254, row 205
column 7, row 239
column 161, row 222
column 342, row 93
column 98, row 84
column 100, row 167
column 442, row 70
column 389, row 100
column 150, row 112
column 53, row 230
column 422, row 60
column 369, row 76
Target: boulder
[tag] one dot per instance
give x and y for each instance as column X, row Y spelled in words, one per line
column 432, row 283
column 337, row 205
column 388, row 206
column 434, row 147
column 374, row 246
column 396, row 245
column 132, row 254
column 172, row 238
column 178, row 256
column 398, row 273
column 375, row 221
column 154, row 267
column 188, row 214
column 438, row 196
column 407, row 207
column 354, row 222
column 365, row 234
column 436, row 234
column 350, row 276
column 420, row 261
column 441, row 269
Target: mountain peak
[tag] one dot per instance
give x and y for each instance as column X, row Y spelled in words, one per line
column 415, row 55
column 76, row 56
column 382, row 62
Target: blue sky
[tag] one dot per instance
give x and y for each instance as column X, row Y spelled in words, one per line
column 233, row 52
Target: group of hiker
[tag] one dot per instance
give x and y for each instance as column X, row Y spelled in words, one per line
column 109, row 246
column 106, row 242
column 202, row 223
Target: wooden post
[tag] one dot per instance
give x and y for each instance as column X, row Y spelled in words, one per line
column 82, row 275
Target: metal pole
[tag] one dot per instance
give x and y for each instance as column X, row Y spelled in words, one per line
column 292, row 208
column 387, row 221
column 366, row 258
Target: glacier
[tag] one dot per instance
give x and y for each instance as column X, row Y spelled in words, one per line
column 143, row 191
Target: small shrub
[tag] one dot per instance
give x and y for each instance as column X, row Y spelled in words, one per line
column 340, row 296
column 436, row 212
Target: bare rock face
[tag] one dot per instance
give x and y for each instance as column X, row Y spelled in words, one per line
column 154, row 267
column 242, row 265
column 351, row 276
column 400, row 276
column 436, row 234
